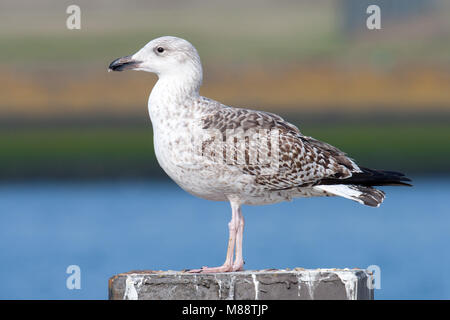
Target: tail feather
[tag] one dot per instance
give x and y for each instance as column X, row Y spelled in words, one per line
column 365, row 195
column 369, row 178
column 359, row 187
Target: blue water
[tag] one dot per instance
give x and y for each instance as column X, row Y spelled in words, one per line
column 108, row 228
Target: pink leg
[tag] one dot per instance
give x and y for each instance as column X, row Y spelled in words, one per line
column 233, row 229
column 238, row 264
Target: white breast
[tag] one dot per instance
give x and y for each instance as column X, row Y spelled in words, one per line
column 177, row 134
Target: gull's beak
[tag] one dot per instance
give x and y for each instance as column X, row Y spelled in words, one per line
column 124, row 63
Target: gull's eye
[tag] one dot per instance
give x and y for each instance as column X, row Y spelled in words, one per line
column 160, row 49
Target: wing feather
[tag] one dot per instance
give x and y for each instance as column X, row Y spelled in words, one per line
column 300, row 160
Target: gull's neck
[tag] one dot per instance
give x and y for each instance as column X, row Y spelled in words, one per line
column 172, row 89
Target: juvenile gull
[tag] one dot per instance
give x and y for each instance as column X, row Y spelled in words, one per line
column 243, row 156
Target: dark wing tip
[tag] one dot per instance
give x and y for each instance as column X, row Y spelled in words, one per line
column 371, row 177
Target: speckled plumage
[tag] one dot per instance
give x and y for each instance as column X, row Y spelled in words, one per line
column 205, row 171
column 243, row 156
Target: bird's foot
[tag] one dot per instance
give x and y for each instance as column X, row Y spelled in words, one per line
column 224, row 268
column 238, row 266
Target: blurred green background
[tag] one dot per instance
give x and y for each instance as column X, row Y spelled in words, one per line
column 383, row 96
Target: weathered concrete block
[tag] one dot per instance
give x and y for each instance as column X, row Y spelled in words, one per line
column 297, row 284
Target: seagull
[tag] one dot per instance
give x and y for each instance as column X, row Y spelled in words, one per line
column 243, row 156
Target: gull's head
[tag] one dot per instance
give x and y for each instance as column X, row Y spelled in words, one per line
column 163, row 56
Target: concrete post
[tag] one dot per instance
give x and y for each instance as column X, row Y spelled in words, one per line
column 286, row 284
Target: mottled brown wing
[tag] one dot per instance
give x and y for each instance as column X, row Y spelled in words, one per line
column 239, row 118
column 285, row 160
